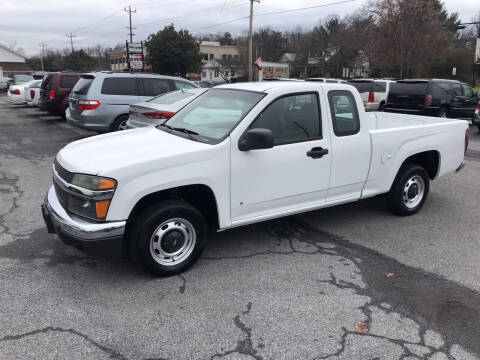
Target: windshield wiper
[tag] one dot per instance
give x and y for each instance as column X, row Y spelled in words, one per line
column 186, row 131
column 167, row 126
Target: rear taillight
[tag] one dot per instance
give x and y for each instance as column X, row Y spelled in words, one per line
column 467, row 138
column 32, row 93
column 51, row 94
column 159, row 114
column 428, row 100
column 88, row 104
column 478, row 106
column 16, row 92
column 371, row 97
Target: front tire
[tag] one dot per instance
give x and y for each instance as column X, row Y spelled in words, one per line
column 168, row 237
column 409, row 190
column 443, row 113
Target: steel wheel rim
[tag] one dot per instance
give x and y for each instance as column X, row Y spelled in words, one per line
column 413, row 192
column 173, row 241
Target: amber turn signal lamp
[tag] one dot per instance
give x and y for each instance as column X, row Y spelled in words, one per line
column 101, row 208
column 105, row 184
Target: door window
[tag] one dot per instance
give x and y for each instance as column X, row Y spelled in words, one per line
column 456, row 90
column 344, row 112
column 183, row 85
column 119, row 86
column 467, row 91
column 292, row 118
column 154, row 86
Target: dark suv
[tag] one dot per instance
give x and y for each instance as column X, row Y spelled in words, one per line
column 432, row 97
column 55, row 90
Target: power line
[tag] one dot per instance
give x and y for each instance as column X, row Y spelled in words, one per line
column 305, row 8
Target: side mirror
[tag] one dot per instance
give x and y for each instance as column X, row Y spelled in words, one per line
column 255, row 139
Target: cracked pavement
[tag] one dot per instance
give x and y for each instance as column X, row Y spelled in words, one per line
column 292, row 288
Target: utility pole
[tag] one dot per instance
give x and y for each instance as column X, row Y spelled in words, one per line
column 250, row 42
column 43, row 53
column 71, row 36
column 130, row 11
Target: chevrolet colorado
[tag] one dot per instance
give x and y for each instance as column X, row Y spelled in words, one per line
column 240, row 154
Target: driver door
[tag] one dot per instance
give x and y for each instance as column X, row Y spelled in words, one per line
column 286, row 178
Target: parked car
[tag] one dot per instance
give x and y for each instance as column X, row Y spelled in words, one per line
column 4, row 83
column 100, row 101
column 373, row 92
column 328, row 80
column 55, row 90
column 240, row 154
column 210, row 84
column 432, row 97
column 32, row 93
column 16, row 93
column 160, row 108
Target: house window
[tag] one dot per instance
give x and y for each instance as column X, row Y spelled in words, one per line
column 212, row 57
column 204, row 74
column 229, row 57
column 205, row 57
column 216, row 73
column 224, row 57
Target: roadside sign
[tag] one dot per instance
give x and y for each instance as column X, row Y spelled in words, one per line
column 136, row 64
column 454, row 71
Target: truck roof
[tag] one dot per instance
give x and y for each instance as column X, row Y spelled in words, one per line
column 265, row 86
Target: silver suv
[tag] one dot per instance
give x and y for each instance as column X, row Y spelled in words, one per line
column 100, row 100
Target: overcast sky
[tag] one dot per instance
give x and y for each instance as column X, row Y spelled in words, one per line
column 26, row 23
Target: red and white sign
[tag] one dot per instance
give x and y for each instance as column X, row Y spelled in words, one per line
column 258, row 63
column 136, row 64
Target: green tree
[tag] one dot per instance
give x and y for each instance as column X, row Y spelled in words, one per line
column 172, row 52
column 226, row 39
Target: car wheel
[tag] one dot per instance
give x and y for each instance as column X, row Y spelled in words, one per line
column 409, row 190
column 381, row 107
column 168, row 237
column 443, row 113
column 120, row 123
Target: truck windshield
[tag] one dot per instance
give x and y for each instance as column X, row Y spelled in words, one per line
column 210, row 117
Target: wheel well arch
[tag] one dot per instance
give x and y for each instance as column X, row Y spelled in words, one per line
column 429, row 160
column 199, row 195
column 116, row 118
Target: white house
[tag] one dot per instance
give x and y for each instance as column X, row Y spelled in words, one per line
column 12, row 63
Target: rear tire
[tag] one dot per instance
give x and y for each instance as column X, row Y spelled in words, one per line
column 120, row 123
column 409, row 190
column 381, row 107
column 168, row 237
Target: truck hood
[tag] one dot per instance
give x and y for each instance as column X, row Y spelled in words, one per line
column 102, row 154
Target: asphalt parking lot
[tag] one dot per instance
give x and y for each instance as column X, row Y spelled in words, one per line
column 350, row 282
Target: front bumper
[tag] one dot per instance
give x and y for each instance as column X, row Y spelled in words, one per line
column 72, row 229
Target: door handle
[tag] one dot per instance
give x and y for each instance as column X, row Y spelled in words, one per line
column 317, row 152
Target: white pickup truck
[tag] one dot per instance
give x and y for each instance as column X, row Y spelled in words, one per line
column 240, row 154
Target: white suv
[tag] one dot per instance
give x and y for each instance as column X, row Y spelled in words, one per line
column 374, row 92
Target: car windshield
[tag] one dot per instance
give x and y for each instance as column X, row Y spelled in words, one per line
column 171, row 97
column 210, row 117
column 363, row 86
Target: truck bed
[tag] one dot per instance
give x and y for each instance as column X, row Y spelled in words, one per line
column 395, row 137
column 386, row 120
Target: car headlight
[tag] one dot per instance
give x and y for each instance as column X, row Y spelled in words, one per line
column 93, row 183
column 94, row 203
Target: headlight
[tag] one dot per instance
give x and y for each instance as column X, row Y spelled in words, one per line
column 93, row 206
column 94, row 183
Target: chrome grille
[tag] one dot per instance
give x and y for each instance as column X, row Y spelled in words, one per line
column 64, row 174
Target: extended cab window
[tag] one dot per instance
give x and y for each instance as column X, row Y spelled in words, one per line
column 292, row 118
column 344, row 112
column 154, row 86
column 68, row 81
column 119, row 86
